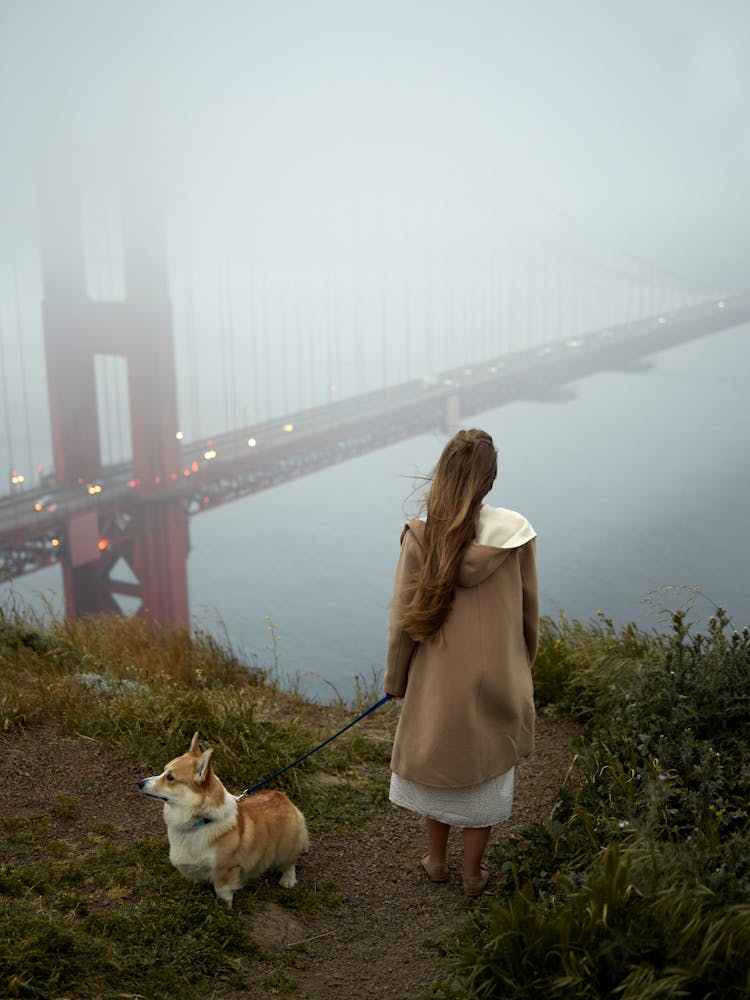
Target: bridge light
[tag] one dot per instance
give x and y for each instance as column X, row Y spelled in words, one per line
column 211, row 453
column 288, row 428
column 662, row 319
column 54, row 542
column 179, row 435
column 721, row 304
column 468, row 371
column 251, row 442
column 103, row 544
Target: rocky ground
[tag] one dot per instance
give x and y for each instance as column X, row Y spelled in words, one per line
column 381, row 941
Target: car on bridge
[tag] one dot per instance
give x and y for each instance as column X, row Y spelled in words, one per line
column 46, row 504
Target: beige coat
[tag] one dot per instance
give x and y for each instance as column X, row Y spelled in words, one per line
column 468, row 710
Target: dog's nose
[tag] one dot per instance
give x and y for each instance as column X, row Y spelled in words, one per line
column 142, row 782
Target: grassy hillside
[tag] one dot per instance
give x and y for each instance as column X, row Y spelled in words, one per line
column 637, row 887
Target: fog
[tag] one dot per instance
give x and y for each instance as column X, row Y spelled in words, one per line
column 357, row 167
column 311, row 128
column 351, row 194
column 354, row 183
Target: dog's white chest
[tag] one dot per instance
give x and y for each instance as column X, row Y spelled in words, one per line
column 191, row 855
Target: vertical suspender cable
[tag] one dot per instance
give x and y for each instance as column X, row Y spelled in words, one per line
column 22, row 359
column 407, row 324
column 338, row 314
column 383, row 324
column 298, row 339
column 254, row 355
column 234, row 368
column 229, row 368
column 190, row 292
column 308, row 337
column 6, row 406
column 358, row 331
column 283, row 340
column 265, row 340
column 544, row 291
column 429, row 321
column 330, row 379
column 223, row 362
column 230, row 372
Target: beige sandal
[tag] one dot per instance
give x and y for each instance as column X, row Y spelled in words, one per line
column 476, row 884
column 436, row 872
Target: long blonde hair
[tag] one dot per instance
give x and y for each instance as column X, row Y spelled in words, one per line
column 462, row 478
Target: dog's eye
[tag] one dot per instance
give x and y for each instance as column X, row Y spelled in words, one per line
column 170, row 776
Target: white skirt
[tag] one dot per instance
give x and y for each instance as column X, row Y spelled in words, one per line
column 478, row 805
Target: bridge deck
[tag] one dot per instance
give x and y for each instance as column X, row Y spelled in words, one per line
column 34, row 523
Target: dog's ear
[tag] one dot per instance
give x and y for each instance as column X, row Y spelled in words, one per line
column 203, row 767
column 194, row 748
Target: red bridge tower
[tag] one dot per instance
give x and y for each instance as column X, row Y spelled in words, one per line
column 150, row 534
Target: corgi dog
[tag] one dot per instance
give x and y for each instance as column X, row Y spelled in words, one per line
column 214, row 838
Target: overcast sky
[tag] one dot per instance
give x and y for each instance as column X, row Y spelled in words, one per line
column 303, row 127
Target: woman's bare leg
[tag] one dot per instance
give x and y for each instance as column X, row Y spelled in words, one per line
column 437, row 840
column 475, row 843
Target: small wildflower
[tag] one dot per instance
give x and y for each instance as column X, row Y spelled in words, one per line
column 623, row 823
column 663, row 777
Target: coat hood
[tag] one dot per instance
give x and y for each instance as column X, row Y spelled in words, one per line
column 499, row 532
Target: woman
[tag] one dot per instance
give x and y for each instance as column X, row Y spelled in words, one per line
column 462, row 637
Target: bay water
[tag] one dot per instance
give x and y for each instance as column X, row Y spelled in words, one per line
column 637, row 482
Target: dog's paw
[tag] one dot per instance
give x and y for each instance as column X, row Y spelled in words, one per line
column 288, row 878
column 226, row 894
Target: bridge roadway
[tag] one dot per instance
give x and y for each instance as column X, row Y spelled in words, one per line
column 234, row 464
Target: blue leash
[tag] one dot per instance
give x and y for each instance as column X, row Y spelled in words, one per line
column 254, row 788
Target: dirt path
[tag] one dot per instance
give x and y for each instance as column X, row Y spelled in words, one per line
column 380, row 942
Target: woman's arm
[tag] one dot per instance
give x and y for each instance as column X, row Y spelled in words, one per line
column 400, row 646
column 530, row 598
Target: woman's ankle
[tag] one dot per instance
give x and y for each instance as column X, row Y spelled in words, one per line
column 433, row 858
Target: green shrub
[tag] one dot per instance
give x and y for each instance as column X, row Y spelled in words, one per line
column 639, row 885
column 581, row 668
column 644, row 921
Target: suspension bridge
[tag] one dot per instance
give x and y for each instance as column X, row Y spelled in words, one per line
column 294, row 369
